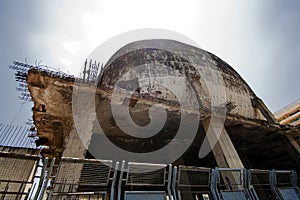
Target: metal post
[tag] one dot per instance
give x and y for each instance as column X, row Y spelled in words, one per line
column 169, row 182
column 112, row 191
column 41, row 179
column 273, row 183
column 174, row 183
column 214, row 182
column 47, row 179
column 31, row 191
column 89, row 71
column 121, row 179
column 84, row 70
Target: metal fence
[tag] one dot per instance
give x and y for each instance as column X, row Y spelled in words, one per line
column 144, row 181
column 83, row 178
column 27, row 176
column 191, row 183
column 17, row 172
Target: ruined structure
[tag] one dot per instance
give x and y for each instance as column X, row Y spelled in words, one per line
column 193, row 100
column 253, row 137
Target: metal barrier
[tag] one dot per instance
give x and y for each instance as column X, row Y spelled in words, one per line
column 96, row 179
column 84, row 178
column 283, row 184
column 145, row 181
column 228, row 184
column 191, row 183
column 258, row 184
column 17, row 173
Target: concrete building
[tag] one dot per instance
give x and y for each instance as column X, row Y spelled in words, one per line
column 255, row 139
column 82, row 122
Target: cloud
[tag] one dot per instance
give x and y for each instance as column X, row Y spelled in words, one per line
column 72, row 47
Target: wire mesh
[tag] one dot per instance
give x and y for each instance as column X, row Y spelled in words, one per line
column 16, row 169
column 16, row 175
column 193, row 176
column 145, row 195
column 146, row 174
column 81, row 175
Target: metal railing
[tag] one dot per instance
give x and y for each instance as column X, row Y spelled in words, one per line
column 18, row 179
column 24, row 176
column 229, row 183
column 191, row 183
column 258, row 184
column 283, row 184
column 145, row 181
column 84, row 178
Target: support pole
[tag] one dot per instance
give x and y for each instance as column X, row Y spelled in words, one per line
column 223, row 150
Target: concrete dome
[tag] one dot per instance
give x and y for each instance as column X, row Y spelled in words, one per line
column 137, row 64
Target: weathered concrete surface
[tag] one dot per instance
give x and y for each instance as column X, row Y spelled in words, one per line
column 52, row 114
column 256, row 136
column 205, row 72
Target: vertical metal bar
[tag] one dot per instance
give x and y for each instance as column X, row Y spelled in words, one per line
column 84, row 70
column 47, row 179
column 293, row 175
column 294, row 181
column 31, row 191
column 273, row 183
column 112, row 190
column 54, row 184
column 121, row 179
column 246, row 183
column 213, row 186
column 89, row 71
column 169, row 182
column 94, row 71
column 272, row 177
column 174, row 183
column 250, row 188
column 41, row 179
column 246, row 178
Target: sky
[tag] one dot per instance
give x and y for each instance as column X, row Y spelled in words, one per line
column 259, row 39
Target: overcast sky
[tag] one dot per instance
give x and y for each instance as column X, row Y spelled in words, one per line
column 259, row 39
